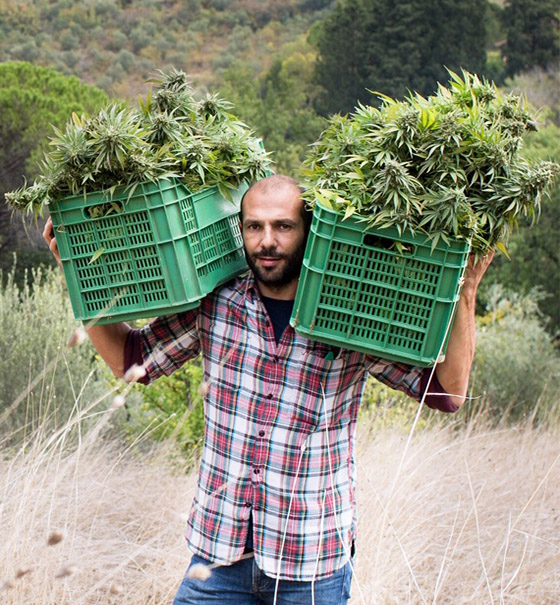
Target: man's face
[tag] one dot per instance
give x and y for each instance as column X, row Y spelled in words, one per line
column 274, row 239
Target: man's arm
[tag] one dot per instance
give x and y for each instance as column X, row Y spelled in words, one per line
column 453, row 373
column 108, row 339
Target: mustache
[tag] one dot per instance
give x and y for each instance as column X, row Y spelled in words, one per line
column 268, row 253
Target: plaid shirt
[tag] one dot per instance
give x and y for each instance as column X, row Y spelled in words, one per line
column 280, row 423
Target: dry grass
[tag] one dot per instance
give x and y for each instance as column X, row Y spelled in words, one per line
column 472, row 517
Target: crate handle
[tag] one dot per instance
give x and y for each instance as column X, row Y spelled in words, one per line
column 102, row 210
column 386, row 243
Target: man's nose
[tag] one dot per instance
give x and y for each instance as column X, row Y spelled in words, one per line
column 268, row 238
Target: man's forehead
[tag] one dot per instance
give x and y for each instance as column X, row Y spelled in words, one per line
column 277, row 200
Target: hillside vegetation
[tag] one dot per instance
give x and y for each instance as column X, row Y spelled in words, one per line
column 117, row 44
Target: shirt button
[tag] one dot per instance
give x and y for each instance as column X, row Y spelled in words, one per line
column 261, row 433
column 256, row 471
column 269, row 396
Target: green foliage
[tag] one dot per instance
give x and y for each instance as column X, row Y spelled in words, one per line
column 36, row 322
column 28, row 260
column 395, row 47
column 532, row 40
column 32, row 99
column 169, row 134
column 279, row 104
column 384, row 408
column 448, row 166
column 542, row 90
column 516, row 367
column 115, row 44
column 171, row 408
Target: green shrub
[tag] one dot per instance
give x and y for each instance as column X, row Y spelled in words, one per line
column 169, row 408
column 516, row 367
column 382, row 408
column 41, row 379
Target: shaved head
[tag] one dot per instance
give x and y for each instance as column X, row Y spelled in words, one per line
column 271, row 185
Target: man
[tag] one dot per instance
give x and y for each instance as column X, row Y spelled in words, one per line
column 274, row 513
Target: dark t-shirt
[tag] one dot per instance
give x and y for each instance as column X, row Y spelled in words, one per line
column 279, row 312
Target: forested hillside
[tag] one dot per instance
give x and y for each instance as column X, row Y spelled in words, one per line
column 116, row 44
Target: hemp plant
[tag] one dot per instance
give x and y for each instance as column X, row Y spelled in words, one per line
column 169, row 134
column 446, row 166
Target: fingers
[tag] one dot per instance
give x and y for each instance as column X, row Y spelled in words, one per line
column 483, row 263
column 476, row 268
column 48, row 236
column 48, row 231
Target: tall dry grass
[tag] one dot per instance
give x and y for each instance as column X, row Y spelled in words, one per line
column 473, row 516
column 85, row 519
column 468, row 515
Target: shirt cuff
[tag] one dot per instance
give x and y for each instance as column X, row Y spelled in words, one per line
column 133, row 353
column 437, row 397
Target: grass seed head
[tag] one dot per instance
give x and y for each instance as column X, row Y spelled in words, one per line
column 55, row 538
column 134, row 373
column 118, row 402
column 23, row 571
column 78, row 336
column 116, row 589
column 199, row 572
column 67, row 570
column 8, row 585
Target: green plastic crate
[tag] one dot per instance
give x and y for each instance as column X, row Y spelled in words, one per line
column 161, row 251
column 358, row 291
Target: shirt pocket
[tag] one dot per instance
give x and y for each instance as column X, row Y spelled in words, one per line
column 313, row 382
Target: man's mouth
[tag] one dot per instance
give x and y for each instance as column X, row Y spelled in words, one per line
column 269, row 261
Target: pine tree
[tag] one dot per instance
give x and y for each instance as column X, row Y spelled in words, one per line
column 532, row 30
column 341, row 65
column 394, row 46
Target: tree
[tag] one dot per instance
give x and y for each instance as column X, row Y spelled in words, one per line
column 32, row 100
column 279, row 104
column 532, row 35
column 394, row 46
column 341, row 63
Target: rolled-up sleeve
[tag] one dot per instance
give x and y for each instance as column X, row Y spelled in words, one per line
column 418, row 383
column 163, row 345
column 436, row 396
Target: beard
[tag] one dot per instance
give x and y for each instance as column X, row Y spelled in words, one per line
column 288, row 270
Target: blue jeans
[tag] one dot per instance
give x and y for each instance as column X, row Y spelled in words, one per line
column 243, row 583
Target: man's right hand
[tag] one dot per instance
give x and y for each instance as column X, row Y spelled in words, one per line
column 49, row 237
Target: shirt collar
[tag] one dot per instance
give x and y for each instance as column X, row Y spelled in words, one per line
column 251, row 288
